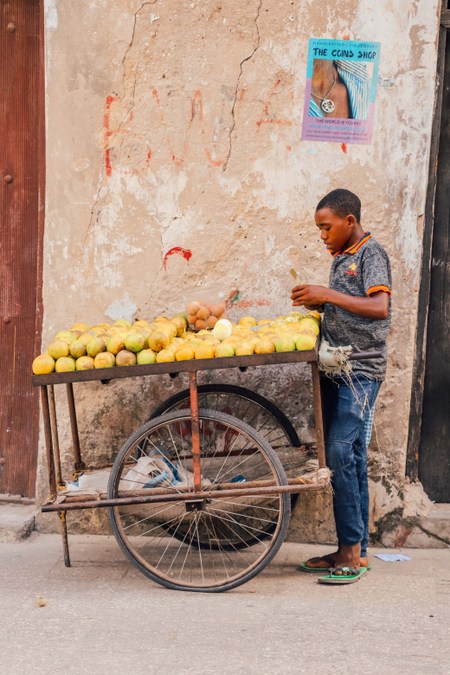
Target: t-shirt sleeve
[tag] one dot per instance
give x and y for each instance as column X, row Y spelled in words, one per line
column 377, row 273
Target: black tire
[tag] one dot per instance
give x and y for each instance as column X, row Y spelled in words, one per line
column 161, row 539
column 260, row 413
column 271, row 423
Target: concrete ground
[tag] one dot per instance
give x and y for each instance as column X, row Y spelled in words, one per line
column 102, row 616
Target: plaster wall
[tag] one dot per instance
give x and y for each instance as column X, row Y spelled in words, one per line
column 177, row 125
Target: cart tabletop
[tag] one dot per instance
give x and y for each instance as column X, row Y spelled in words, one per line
column 175, row 367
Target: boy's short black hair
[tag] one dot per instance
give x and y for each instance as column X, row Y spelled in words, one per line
column 342, row 202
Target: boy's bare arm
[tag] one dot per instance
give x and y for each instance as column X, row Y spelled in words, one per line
column 374, row 306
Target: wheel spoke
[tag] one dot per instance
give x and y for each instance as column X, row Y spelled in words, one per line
column 208, row 544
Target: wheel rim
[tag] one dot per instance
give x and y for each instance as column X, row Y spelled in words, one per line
column 245, row 409
column 202, row 544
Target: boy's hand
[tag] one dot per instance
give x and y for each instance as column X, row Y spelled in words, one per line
column 309, row 296
column 373, row 306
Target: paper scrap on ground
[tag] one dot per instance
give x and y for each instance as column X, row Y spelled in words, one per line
column 392, row 557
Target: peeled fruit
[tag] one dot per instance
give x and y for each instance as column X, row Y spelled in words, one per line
column 225, row 349
column 84, row 363
column 65, row 364
column 135, row 342
column 305, row 341
column 43, row 364
column 223, row 329
column 104, row 360
column 95, row 346
column 125, row 358
column 58, row 348
column 146, row 356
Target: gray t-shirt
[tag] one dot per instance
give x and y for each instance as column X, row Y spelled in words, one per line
column 360, row 270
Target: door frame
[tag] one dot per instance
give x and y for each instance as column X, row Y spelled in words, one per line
column 419, row 366
column 19, row 478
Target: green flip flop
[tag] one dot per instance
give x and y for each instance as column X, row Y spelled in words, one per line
column 348, row 578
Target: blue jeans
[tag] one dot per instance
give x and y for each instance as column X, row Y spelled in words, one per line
column 348, row 414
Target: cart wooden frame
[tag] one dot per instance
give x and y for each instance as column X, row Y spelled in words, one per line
column 195, row 497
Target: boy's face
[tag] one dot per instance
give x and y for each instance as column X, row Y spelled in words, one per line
column 336, row 232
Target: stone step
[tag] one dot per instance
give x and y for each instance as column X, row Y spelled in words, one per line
column 17, row 521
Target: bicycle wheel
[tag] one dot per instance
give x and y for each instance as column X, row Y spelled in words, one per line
column 260, row 413
column 239, row 534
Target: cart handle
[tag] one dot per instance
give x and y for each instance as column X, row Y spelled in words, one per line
column 364, row 355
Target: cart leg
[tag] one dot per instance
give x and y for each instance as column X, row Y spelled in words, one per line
column 49, row 438
column 48, row 442
column 318, row 415
column 62, row 517
column 79, row 465
column 55, row 439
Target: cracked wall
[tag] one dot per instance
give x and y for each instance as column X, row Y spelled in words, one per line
column 175, row 162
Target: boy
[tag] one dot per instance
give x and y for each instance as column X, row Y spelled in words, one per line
column 356, row 308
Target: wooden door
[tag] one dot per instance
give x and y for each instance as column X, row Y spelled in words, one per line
column 21, row 225
column 434, row 449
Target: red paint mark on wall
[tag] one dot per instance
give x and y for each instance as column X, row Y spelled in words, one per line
column 197, row 105
column 246, row 304
column 197, row 114
column 177, row 250
column 108, row 132
column 234, row 300
column 121, row 126
column 266, row 112
column 213, row 162
column 344, row 148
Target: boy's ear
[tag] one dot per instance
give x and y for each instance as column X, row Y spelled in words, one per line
column 351, row 220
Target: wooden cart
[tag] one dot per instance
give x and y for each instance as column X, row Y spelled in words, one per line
column 199, row 499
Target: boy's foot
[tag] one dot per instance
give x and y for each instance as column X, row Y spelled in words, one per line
column 318, row 563
column 321, row 563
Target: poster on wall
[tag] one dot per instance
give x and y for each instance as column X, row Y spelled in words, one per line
column 341, row 84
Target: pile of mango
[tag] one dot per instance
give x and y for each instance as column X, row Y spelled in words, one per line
column 84, row 347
